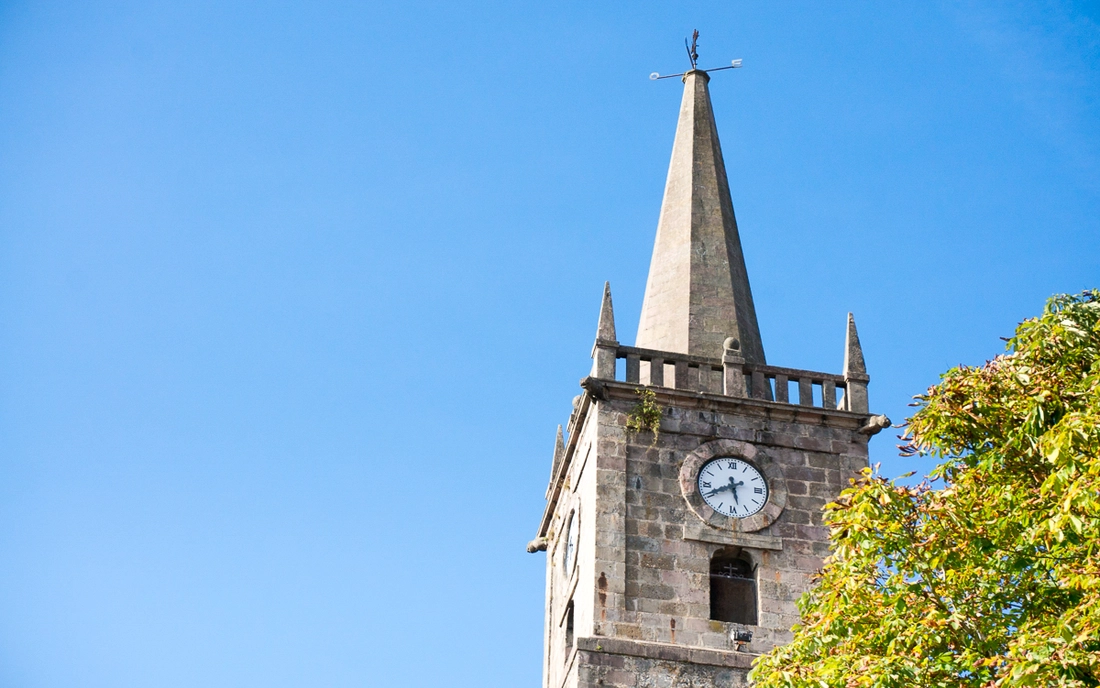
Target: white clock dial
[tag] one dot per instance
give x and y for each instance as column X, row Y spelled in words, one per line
column 732, row 487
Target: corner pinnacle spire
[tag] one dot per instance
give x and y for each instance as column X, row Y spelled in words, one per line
column 606, row 328
column 603, row 349
column 855, row 375
column 698, row 291
column 559, row 452
column 853, row 352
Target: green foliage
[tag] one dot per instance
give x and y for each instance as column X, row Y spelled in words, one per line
column 646, row 414
column 987, row 574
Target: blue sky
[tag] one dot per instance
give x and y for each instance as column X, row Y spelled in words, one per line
column 293, row 295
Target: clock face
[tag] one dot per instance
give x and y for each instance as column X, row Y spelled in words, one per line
column 732, row 487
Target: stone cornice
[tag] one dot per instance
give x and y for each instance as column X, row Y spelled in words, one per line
column 773, row 410
column 666, row 652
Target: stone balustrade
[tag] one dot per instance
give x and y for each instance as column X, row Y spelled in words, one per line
column 731, row 376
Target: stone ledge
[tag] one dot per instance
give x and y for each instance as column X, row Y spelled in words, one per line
column 701, row 533
column 664, row 651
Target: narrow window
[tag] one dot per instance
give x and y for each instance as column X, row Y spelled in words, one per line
column 569, row 556
column 732, row 590
column 568, row 629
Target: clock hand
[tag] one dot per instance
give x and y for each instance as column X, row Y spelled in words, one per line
column 733, row 488
column 717, row 490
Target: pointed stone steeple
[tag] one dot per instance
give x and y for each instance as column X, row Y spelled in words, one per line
column 698, row 291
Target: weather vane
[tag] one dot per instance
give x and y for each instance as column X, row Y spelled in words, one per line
column 693, row 55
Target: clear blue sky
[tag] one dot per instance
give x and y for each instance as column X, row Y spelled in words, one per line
column 293, row 294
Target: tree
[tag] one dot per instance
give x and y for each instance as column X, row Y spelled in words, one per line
column 988, row 572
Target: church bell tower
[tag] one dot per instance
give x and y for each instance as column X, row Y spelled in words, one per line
column 683, row 517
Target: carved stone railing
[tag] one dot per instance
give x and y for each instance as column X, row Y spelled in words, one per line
column 696, row 373
column 731, row 376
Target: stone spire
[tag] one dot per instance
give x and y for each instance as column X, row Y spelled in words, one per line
column 853, row 352
column 603, row 350
column 855, row 372
column 698, row 291
column 605, row 329
column 559, row 453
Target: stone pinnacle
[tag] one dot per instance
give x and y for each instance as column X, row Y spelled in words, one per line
column 605, row 330
column 853, row 352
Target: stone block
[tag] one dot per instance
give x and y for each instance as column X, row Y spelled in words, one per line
column 825, row 491
column 796, row 487
column 797, row 517
column 809, row 502
column 628, row 631
column 805, row 473
column 819, row 460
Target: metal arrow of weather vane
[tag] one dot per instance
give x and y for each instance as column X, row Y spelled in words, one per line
column 693, row 55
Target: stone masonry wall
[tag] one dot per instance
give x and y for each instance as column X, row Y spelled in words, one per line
column 667, row 549
column 640, row 586
column 576, row 584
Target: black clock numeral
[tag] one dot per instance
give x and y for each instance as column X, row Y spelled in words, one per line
column 731, row 465
column 705, row 484
column 757, row 490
